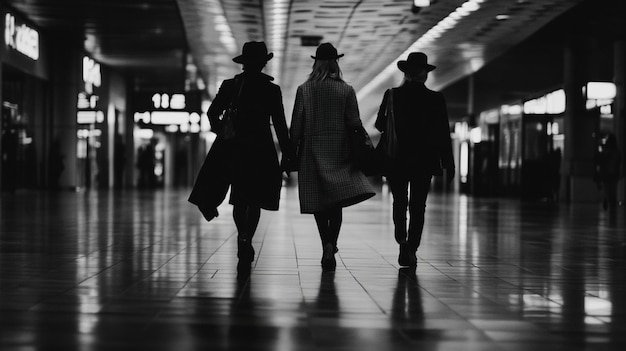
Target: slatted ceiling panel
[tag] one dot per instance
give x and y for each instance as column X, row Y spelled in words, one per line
column 371, row 33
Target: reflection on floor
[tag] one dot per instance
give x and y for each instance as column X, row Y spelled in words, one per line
column 144, row 271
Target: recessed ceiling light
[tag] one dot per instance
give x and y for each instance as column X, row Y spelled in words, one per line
column 502, row 17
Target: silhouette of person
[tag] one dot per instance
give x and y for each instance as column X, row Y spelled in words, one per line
column 145, row 163
column 607, row 171
column 248, row 163
column 324, row 110
column 424, row 148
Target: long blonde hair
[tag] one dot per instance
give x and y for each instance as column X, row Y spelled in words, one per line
column 323, row 69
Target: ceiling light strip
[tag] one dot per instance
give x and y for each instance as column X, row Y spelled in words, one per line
column 222, row 28
column 278, row 16
column 434, row 33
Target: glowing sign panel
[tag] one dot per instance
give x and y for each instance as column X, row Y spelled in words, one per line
column 21, row 37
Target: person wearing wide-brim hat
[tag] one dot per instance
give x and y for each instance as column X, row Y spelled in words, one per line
column 420, row 127
column 324, row 109
column 248, row 162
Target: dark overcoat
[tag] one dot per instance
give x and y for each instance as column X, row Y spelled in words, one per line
column 249, row 162
column 422, row 129
column 323, row 112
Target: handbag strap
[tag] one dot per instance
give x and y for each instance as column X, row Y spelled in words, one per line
column 235, row 98
column 392, row 138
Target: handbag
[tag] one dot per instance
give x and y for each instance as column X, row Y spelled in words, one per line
column 362, row 151
column 387, row 149
column 227, row 122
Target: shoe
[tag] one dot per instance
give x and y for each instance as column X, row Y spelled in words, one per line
column 208, row 213
column 406, row 258
column 245, row 251
column 328, row 258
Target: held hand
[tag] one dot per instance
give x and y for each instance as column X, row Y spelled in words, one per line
column 450, row 172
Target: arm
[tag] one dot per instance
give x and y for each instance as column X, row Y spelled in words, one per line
column 447, row 158
column 219, row 104
column 280, row 125
column 353, row 118
column 297, row 119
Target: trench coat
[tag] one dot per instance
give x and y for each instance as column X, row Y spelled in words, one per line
column 422, row 129
column 249, row 162
column 323, row 114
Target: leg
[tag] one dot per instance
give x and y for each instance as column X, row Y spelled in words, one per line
column 328, row 224
column 335, row 219
column 321, row 219
column 399, row 191
column 239, row 215
column 252, row 220
column 417, row 207
column 246, row 220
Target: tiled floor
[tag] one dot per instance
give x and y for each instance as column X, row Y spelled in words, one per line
column 143, row 271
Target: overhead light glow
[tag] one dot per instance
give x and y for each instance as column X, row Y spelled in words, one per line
column 222, row 28
column 435, row 32
column 278, row 14
column 421, row 3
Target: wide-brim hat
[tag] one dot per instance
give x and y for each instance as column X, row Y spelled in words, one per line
column 415, row 62
column 254, row 52
column 326, row 51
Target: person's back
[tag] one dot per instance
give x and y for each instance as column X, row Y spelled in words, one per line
column 326, row 101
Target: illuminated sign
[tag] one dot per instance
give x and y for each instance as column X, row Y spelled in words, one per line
column 21, row 37
column 176, row 111
column 91, row 74
column 165, row 101
column 552, row 103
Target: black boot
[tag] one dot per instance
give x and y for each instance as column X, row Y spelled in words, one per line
column 328, row 258
column 245, row 251
column 407, row 257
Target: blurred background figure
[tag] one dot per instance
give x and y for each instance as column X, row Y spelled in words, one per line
column 607, row 170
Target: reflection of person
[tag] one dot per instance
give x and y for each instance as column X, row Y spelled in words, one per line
column 248, row 163
column 554, row 169
column 327, row 181
column 407, row 299
column 607, row 160
column 424, row 147
column 119, row 161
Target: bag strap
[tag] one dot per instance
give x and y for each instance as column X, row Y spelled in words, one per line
column 392, row 138
column 235, row 98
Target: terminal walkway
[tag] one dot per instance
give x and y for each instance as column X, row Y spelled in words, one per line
column 139, row 270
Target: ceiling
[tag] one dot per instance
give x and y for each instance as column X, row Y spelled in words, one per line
column 150, row 39
column 145, row 39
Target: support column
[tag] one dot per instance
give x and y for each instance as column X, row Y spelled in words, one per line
column 619, row 113
column 577, row 166
column 66, row 70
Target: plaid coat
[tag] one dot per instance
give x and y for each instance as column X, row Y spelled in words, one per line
column 326, row 179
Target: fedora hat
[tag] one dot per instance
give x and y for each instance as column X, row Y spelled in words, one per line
column 415, row 61
column 254, row 52
column 326, row 51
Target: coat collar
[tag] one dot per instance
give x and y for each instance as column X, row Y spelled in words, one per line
column 254, row 75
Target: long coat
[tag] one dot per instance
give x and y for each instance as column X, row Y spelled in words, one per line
column 323, row 112
column 422, row 129
column 249, row 162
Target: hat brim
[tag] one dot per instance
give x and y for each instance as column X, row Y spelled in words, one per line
column 327, row 58
column 244, row 59
column 404, row 66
